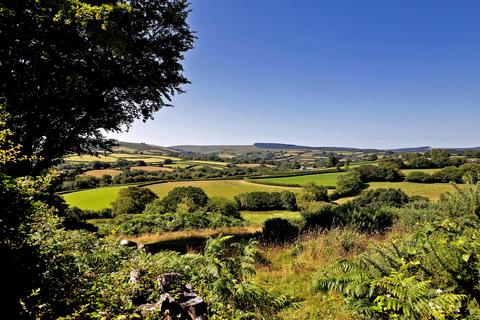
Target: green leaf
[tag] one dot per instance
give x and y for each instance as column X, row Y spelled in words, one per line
column 465, row 257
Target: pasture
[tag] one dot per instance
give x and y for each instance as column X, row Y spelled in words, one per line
column 429, row 190
column 101, row 172
column 100, row 198
column 257, row 218
column 151, row 168
column 93, row 199
column 218, row 188
column 113, row 157
column 321, row 179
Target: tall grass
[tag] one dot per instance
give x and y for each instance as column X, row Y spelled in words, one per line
column 291, row 271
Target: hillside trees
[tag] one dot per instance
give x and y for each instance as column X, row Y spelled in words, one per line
column 132, row 200
column 71, row 69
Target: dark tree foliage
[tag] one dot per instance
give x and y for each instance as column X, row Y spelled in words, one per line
column 70, row 69
column 382, row 172
column 278, row 231
column 195, row 197
column 262, row 200
column 381, row 197
column 132, row 200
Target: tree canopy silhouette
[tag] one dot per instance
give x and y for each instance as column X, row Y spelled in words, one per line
column 72, row 69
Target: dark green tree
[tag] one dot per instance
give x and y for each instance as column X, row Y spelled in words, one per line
column 70, row 70
column 132, row 200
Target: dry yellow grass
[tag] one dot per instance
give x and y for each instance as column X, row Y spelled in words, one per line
column 101, row 172
column 167, row 236
column 254, row 165
column 152, row 168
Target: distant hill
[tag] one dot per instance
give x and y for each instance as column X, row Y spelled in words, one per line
column 229, row 149
column 135, row 147
column 262, row 146
column 282, row 146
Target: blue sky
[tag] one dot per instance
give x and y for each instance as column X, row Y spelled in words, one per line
column 369, row 73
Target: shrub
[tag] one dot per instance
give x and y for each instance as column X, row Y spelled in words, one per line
column 381, row 197
column 167, row 222
column 420, row 177
column 421, row 162
column 191, row 198
column 349, row 184
column 105, row 180
column 91, row 214
column 448, row 174
column 431, row 272
column 367, row 219
column 261, row 200
column 278, row 231
column 313, row 192
column 382, row 172
column 318, row 218
column 132, row 200
column 288, row 200
column 223, row 206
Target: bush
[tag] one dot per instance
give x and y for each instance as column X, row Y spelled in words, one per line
column 261, row 200
column 91, row 214
column 313, row 192
column 223, row 206
column 370, row 219
column 434, row 265
column 288, row 200
column 367, row 219
column 420, row 177
column 132, row 200
column 382, row 172
column 381, row 197
column 179, row 221
column 349, row 184
column 278, row 231
column 188, row 199
column 318, row 218
column 448, row 174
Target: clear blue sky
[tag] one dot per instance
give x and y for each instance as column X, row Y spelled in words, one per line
column 359, row 73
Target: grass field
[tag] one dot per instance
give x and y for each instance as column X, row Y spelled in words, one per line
column 429, row 190
column 152, row 168
column 257, row 218
column 115, row 156
column 322, row 179
column 180, row 165
column 99, row 198
column 101, row 172
column 212, row 163
column 93, row 199
column 217, row 188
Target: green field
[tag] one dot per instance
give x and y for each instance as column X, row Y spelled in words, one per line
column 321, row 179
column 257, row 218
column 93, row 199
column 217, row 188
column 429, row 190
column 99, row 198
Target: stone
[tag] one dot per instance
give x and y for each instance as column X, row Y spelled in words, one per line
column 167, row 280
column 128, row 243
column 194, row 306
